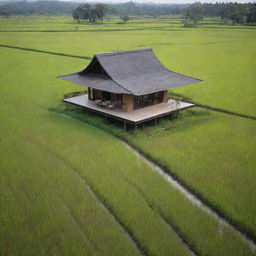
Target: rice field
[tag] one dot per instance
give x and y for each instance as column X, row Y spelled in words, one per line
column 68, row 188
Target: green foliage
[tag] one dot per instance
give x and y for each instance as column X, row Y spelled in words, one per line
column 90, row 12
column 193, row 15
column 37, row 8
column 236, row 12
column 47, row 158
column 124, row 18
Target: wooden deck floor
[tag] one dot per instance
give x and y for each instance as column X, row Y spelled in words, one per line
column 136, row 116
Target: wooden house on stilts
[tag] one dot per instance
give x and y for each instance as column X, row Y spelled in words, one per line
column 131, row 86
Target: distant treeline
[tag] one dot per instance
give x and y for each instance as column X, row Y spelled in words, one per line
column 37, row 8
column 236, row 12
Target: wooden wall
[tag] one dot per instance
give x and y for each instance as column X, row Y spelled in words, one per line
column 127, row 102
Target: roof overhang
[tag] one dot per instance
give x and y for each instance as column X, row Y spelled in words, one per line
column 136, row 72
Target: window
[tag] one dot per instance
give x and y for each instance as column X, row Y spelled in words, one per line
column 148, row 99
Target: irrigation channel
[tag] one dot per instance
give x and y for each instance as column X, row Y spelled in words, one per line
column 195, row 200
column 174, row 182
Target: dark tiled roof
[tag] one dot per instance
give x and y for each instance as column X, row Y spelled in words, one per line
column 135, row 72
column 95, row 81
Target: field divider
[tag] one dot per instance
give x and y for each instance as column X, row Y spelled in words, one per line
column 86, row 30
column 46, row 52
column 192, row 195
column 128, row 233
column 97, row 196
column 170, row 225
column 221, row 110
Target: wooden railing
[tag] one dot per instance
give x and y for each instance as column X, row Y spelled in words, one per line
column 74, row 94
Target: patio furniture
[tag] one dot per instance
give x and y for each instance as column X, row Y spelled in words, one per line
column 103, row 104
column 97, row 102
column 110, row 106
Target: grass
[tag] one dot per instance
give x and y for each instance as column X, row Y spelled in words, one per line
column 47, row 160
column 203, row 52
column 50, row 171
column 182, row 147
column 214, row 155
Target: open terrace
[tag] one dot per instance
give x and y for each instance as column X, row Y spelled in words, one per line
column 134, row 117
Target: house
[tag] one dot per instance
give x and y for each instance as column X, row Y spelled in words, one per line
column 131, row 86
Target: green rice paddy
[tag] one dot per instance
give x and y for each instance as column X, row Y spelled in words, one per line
column 67, row 188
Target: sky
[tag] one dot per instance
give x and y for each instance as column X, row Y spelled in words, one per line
column 166, row 1
column 154, row 1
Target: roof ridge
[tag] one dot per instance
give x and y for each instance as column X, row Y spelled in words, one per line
column 122, row 52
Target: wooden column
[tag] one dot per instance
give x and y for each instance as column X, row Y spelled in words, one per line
column 127, row 102
column 90, row 93
column 165, row 97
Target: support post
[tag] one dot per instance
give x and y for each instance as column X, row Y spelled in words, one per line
column 155, row 121
column 135, row 127
column 124, row 126
column 90, row 97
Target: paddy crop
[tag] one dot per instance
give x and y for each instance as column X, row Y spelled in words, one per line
column 49, row 162
column 222, row 56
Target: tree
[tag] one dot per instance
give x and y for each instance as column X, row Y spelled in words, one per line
column 193, row 14
column 100, row 10
column 90, row 12
column 124, row 18
column 77, row 14
column 251, row 16
column 237, row 13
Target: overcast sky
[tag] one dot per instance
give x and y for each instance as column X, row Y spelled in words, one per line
column 167, row 1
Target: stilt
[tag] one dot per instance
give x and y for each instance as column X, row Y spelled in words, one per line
column 135, row 127
column 105, row 118
column 124, row 126
column 155, row 121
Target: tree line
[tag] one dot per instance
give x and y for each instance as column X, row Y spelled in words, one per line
column 192, row 13
column 234, row 12
column 37, row 8
column 229, row 13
